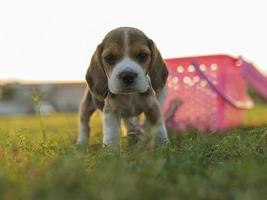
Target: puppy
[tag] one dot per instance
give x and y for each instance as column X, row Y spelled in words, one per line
column 126, row 77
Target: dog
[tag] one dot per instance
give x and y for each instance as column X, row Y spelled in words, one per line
column 126, row 77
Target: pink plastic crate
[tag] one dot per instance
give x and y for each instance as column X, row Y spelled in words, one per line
column 206, row 93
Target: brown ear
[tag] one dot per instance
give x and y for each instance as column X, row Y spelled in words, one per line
column 158, row 71
column 96, row 77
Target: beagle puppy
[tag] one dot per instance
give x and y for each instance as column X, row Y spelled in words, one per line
column 126, row 77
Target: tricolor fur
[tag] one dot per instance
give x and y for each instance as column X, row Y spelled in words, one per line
column 126, row 77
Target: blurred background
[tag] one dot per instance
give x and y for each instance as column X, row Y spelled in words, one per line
column 45, row 46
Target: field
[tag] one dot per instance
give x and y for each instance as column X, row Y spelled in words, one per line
column 44, row 163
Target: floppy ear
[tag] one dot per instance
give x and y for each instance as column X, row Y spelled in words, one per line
column 158, row 71
column 96, row 77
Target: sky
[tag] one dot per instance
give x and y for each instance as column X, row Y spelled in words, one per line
column 54, row 39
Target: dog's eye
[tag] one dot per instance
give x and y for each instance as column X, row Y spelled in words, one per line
column 110, row 59
column 142, row 57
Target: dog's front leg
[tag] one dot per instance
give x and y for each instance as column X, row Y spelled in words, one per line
column 111, row 126
column 86, row 109
column 154, row 116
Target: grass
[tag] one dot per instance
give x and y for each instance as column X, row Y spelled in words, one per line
column 229, row 165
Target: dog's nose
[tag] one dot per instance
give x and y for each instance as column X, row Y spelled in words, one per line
column 127, row 77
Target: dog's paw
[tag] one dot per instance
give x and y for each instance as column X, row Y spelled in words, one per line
column 82, row 141
column 132, row 139
column 111, row 149
column 165, row 144
column 136, row 141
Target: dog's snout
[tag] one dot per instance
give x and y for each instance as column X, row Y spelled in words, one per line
column 127, row 77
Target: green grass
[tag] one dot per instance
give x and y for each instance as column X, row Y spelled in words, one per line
column 229, row 165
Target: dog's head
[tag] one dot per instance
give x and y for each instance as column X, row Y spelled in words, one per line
column 125, row 62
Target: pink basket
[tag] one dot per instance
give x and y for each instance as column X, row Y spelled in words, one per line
column 206, row 93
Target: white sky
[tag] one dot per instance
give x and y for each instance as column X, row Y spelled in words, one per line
column 54, row 39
